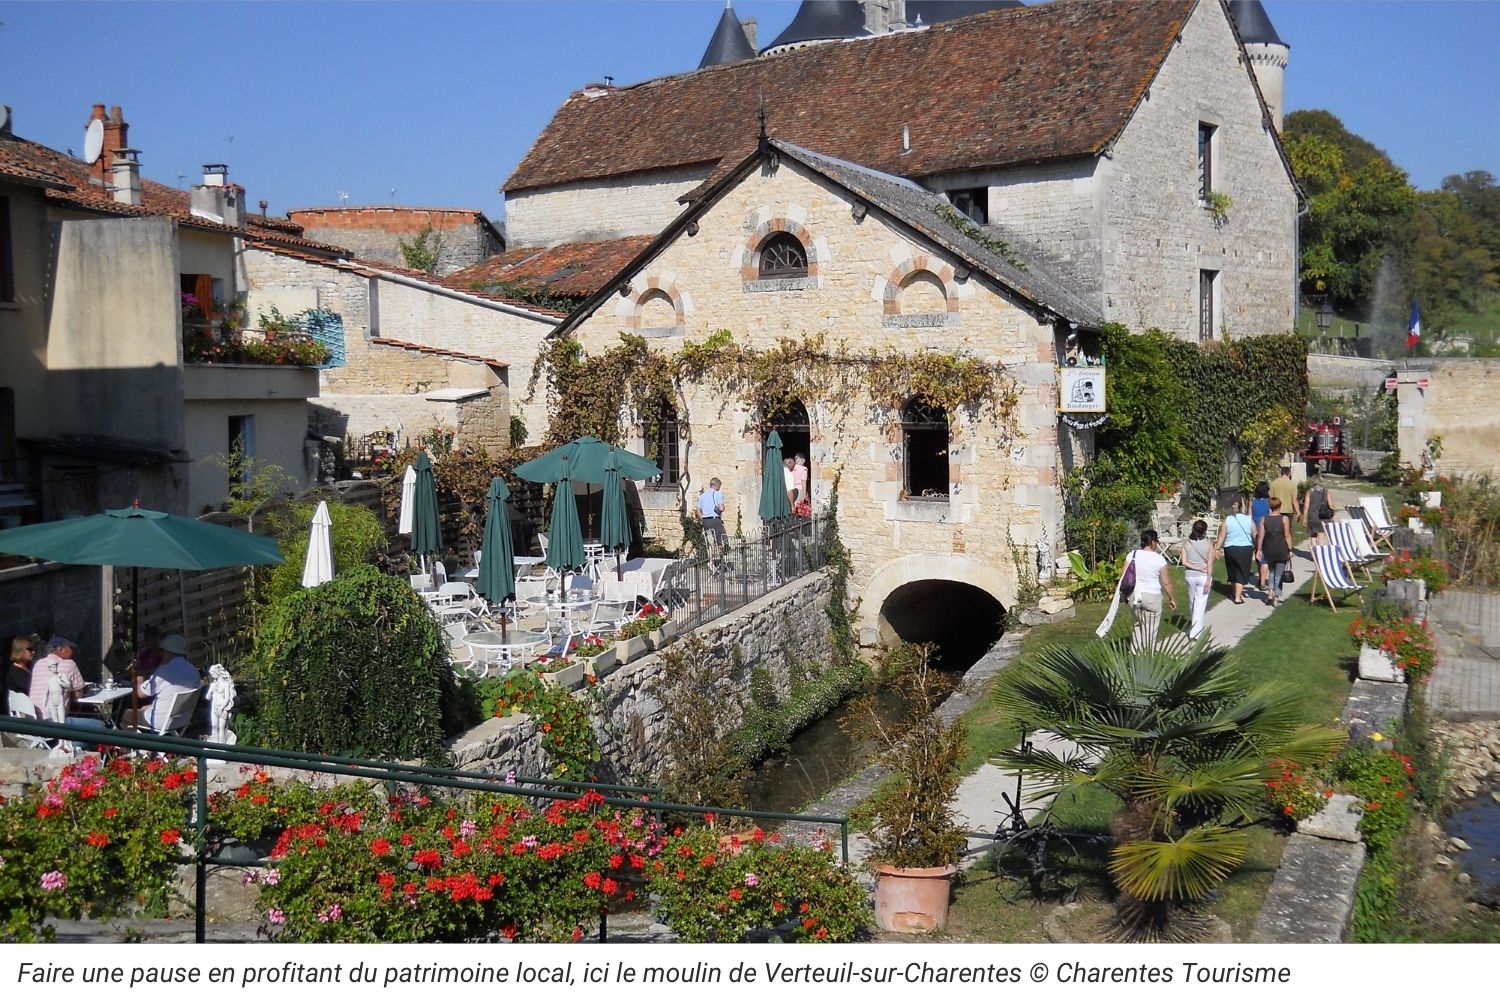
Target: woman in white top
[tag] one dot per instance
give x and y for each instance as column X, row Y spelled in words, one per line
column 1198, row 567
column 1152, row 581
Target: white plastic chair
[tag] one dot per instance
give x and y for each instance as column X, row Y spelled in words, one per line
column 439, row 572
column 21, row 707
column 179, row 716
column 1331, row 574
column 636, row 586
column 421, row 581
column 458, row 598
column 609, row 616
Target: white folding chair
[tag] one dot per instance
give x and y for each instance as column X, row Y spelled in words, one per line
column 21, row 707
column 421, row 581
column 457, row 599
column 1331, row 574
column 637, row 586
column 609, row 616
column 1379, row 520
column 179, row 716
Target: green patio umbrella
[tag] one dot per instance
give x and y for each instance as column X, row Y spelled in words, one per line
column 565, row 547
column 614, row 532
column 582, row 460
column 774, row 504
column 426, row 534
column 140, row 539
column 497, row 568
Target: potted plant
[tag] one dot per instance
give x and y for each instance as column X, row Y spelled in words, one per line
column 636, row 635
column 598, row 659
column 561, row 671
column 1393, row 646
column 915, row 836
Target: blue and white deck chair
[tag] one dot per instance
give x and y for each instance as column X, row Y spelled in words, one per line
column 1345, row 536
column 1331, row 574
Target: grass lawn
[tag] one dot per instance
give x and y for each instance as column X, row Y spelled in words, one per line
column 1300, row 644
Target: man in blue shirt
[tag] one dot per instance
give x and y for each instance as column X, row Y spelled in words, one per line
column 711, row 512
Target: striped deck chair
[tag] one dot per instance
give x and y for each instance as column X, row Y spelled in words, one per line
column 1344, row 536
column 1331, row 574
column 1378, row 520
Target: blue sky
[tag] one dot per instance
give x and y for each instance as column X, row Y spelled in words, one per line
column 439, row 101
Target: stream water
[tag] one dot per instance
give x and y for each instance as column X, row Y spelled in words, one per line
column 1477, row 823
column 822, row 756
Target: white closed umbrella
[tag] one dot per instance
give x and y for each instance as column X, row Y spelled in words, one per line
column 319, row 566
column 408, row 500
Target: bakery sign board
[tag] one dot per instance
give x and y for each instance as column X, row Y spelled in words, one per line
column 1081, row 390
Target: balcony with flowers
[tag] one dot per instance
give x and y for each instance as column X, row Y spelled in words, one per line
column 219, row 334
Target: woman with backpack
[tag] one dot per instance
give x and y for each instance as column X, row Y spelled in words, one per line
column 1237, row 542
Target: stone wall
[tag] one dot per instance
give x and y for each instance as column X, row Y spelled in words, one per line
column 413, row 313
column 602, row 209
column 1335, row 374
column 782, row 630
column 1002, row 480
column 375, row 232
column 1157, row 237
column 1458, row 405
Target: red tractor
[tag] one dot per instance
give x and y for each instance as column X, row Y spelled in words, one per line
column 1325, row 443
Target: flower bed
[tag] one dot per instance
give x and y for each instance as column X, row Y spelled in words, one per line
column 1418, row 566
column 97, row 840
column 1409, row 642
column 1294, row 792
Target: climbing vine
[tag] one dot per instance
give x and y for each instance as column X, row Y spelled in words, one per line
column 585, row 392
column 979, row 235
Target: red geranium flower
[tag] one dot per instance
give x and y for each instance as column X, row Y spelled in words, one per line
column 97, row 839
column 170, row 836
column 380, row 847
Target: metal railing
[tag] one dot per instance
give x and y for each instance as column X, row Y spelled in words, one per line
column 625, row 797
column 723, row 580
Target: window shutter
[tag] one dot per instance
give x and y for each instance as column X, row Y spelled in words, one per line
column 203, row 288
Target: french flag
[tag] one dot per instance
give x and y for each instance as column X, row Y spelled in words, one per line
column 1414, row 328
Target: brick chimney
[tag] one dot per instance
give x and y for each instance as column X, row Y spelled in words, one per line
column 116, row 133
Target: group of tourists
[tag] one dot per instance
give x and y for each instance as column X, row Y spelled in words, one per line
column 53, row 684
column 1256, row 547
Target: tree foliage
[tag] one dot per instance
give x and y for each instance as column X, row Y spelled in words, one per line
column 1180, row 737
column 357, row 534
column 357, row 666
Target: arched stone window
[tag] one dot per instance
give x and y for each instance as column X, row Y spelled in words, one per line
column 662, row 432
column 782, row 255
column 924, row 439
column 658, row 312
column 922, row 293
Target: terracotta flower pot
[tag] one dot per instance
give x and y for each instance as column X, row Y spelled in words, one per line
column 912, row 900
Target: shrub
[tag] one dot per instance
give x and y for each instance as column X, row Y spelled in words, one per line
column 700, row 762
column 357, row 667
column 463, row 869
column 97, row 840
column 713, row 888
column 1418, row 566
column 566, row 733
column 356, row 534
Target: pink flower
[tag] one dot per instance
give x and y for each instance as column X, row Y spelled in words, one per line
column 467, row 828
column 270, row 877
column 275, row 916
column 529, row 840
column 331, row 914
column 751, row 879
column 54, row 800
column 54, row 880
column 510, row 777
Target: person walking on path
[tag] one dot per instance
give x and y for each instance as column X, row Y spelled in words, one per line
column 1152, row 582
column 1237, row 541
column 1273, row 547
column 1319, row 508
column 1259, row 508
column 1198, row 564
column 1283, row 489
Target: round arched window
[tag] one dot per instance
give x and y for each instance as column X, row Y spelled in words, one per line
column 783, row 256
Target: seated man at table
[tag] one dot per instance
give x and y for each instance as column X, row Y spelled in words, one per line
column 176, row 675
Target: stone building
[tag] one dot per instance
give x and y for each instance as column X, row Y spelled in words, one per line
column 417, row 352
column 1126, row 145
column 788, row 243
column 107, row 277
column 461, row 236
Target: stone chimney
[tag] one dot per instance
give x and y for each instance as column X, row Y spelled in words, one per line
column 216, row 199
column 126, row 176
column 5, row 123
column 116, row 138
column 751, row 27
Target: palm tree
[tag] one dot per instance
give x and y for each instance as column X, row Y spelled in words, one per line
column 1182, row 738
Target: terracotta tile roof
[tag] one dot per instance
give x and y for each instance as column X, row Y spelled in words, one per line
column 567, row 269
column 1024, row 85
column 377, row 269
column 70, row 185
column 438, row 351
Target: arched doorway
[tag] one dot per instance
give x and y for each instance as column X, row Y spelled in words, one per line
column 962, row 620
column 792, row 423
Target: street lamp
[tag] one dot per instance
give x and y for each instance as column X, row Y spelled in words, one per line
column 1324, row 314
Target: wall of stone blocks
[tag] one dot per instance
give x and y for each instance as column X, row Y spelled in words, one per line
column 376, row 233
column 1458, row 405
column 1157, row 238
column 782, row 631
column 1003, row 478
column 600, row 209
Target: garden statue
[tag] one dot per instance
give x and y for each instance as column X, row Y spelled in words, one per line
column 221, row 695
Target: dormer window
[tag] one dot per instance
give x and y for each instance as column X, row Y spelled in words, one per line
column 783, row 256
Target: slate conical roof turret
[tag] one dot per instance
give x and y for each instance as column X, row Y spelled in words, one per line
column 821, row 21
column 1253, row 23
column 729, row 43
